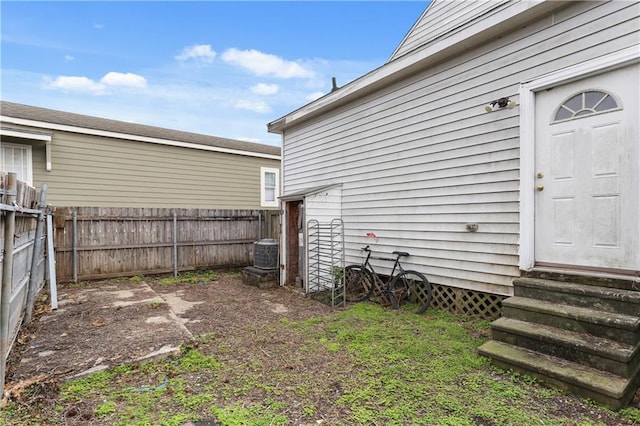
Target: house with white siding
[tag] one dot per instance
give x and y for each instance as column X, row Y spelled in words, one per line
column 499, row 146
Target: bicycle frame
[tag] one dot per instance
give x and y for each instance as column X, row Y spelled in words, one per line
column 400, row 286
column 396, row 264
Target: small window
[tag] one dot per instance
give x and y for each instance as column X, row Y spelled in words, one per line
column 17, row 159
column 269, row 187
column 586, row 103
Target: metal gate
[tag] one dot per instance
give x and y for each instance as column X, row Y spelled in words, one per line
column 22, row 259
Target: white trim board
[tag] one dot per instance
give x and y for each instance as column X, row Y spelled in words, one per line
column 108, row 134
column 599, row 65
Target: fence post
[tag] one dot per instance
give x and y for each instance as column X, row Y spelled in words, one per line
column 7, row 274
column 37, row 248
column 175, row 244
column 74, row 248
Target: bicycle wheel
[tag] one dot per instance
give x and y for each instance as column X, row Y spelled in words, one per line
column 358, row 283
column 411, row 291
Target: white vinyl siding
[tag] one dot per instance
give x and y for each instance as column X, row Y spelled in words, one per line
column 325, row 205
column 421, row 158
column 445, row 18
column 16, row 158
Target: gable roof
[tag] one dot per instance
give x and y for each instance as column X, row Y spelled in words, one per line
column 77, row 123
column 420, row 50
column 443, row 19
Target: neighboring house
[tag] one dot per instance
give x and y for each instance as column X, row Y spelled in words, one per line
column 499, row 141
column 96, row 162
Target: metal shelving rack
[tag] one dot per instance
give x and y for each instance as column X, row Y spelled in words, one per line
column 325, row 242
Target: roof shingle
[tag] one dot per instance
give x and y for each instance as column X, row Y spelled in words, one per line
column 27, row 112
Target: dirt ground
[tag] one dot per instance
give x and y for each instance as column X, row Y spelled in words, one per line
column 107, row 323
column 103, row 324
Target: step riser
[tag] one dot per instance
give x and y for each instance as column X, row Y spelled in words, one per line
column 620, row 368
column 623, row 284
column 585, row 301
column 578, row 325
column 575, row 333
column 560, row 383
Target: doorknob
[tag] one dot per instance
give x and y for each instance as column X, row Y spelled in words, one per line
column 539, row 188
column 540, row 175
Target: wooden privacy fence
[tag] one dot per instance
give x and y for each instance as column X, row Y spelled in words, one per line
column 100, row 242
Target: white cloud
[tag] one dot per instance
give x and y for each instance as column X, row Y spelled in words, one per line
column 260, row 107
column 265, row 89
column 120, row 79
column 201, row 52
column 265, row 64
column 315, row 95
column 86, row 85
column 68, row 58
column 98, row 26
column 77, row 84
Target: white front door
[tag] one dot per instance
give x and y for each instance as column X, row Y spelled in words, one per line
column 587, row 171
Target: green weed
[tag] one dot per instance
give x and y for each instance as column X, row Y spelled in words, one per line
column 156, row 303
column 378, row 367
column 106, row 409
column 255, row 415
column 196, row 277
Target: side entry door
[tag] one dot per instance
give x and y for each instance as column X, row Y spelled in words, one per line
column 587, row 161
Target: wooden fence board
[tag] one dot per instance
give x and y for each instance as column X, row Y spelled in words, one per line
column 112, row 241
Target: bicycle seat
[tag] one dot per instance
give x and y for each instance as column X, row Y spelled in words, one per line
column 401, row 253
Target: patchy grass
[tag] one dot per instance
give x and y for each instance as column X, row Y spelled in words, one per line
column 194, row 277
column 365, row 365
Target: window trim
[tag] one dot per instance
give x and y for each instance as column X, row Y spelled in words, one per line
column 263, row 174
column 28, row 149
column 582, row 93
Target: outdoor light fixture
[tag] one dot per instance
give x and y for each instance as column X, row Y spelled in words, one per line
column 499, row 104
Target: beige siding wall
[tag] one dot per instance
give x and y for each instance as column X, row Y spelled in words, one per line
column 108, row 172
column 422, row 158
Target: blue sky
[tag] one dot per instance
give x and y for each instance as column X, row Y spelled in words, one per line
column 219, row 68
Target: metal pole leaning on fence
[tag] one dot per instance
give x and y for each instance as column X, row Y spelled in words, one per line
column 51, row 263
column 37, row 249
column 7, row 274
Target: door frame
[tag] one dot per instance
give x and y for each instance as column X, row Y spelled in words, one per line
column 527, row 93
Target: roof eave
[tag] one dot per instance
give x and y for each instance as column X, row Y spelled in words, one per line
column 407, row 64
column 126, row 136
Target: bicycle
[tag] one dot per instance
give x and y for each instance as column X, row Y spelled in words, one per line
column 405, row 286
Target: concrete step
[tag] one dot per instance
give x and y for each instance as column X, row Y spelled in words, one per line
column 588, row 296
column 600, row 279
column 596, row 352
column 606, row 388
column 612, row 326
